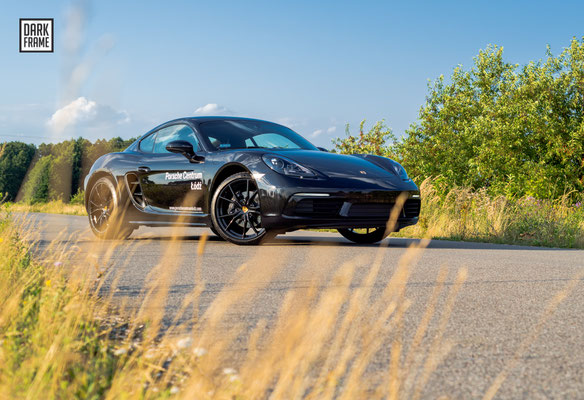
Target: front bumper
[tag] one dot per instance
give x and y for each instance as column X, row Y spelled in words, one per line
column 289, row 204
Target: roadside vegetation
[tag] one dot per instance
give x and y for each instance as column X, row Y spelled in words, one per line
column 474, row 215
column 51, row 207
column 61, row 338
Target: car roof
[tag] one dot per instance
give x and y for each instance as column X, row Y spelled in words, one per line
column 217, row 118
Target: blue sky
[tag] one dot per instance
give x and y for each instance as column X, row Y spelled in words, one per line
column 120, row 68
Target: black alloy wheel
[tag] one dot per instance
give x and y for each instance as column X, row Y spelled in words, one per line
column 364, row 235
column 236, row 211
column 105, row 217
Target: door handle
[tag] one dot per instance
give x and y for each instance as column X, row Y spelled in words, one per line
column 143, row 169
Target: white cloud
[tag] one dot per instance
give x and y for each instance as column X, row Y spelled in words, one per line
column 290, row 122
column 319, row 132
column 213, row 109
column 85, row 112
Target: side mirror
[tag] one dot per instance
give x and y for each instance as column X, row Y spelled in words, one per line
column 185, row 148
column 322, row 149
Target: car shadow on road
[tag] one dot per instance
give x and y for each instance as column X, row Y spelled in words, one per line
column 317, row 240
column 405, row 243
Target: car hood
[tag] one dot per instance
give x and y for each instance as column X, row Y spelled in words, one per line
column 336, row 165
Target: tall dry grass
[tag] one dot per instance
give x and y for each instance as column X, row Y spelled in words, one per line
column 62, row 336
column 464, row 214
column 59, row 338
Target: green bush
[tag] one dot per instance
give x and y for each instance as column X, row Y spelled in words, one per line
column 78, row 198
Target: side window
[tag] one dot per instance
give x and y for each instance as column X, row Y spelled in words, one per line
column 147, row 143
column 175, row 132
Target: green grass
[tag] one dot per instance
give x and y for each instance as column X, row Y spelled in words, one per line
column 52, row 207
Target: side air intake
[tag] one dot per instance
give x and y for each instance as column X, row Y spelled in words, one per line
column 135, row 189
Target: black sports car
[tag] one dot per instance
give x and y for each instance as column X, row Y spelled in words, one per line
column 247, row 180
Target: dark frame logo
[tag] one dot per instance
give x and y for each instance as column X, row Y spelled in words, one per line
column 36, row 35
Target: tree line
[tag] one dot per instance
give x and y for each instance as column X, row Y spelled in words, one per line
column 50, row 171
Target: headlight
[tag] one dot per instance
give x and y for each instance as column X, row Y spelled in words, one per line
column 286, row 166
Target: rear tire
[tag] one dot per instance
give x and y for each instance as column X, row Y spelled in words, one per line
column 371, row 235
column 106, row 215
column 236, row 213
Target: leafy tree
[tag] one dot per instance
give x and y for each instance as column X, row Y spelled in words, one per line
column 60, row 182
column 515, row 130
column 36, row 187
column 15, row 159
column 372, row 142
column 76, row 166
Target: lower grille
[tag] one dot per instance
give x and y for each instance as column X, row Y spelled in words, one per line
column 332, row 208
column 411, row 209
column 365, row 210
column 318, row 207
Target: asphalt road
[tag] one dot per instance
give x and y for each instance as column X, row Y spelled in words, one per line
column 504, row 297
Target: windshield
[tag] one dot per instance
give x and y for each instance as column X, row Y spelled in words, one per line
column 244, row 134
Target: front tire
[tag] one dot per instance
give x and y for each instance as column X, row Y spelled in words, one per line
column 215, row 232
column 365, row 235
column 236, row 212
column 106, row 216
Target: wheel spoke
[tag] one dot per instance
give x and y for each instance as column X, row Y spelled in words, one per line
column 228, row 200
column 247, row 190
column 225, row 215
column 253, row 196
column 253, row 227
column 98, row 194
column 244, row 227
column 233, row 220
column 234, row 196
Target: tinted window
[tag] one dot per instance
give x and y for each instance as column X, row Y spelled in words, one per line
column 147, row 143
column 272, row 140
column 174, row 132
column 244, row 134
